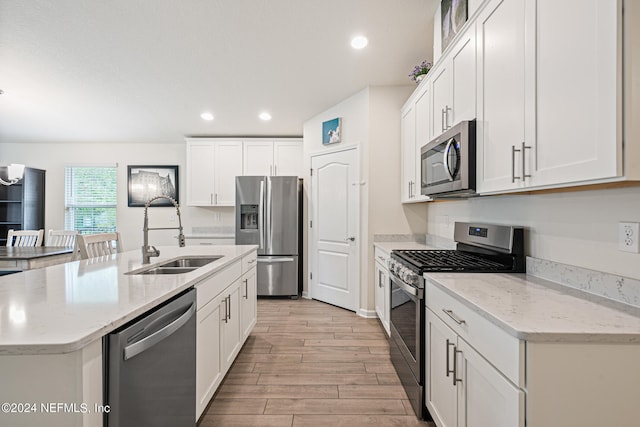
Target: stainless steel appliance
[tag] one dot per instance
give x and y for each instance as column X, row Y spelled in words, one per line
column 267, row 215
column 480, row 248
column 150, row 374
column 448, row 163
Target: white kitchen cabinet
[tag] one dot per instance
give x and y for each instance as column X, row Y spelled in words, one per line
column 465, row 387
column 577, row 105
column 230, row 342
column 415, row 128
column 382, row 286
column 212, row 167
column 272, row 158
column 209, row 370
column 505, row 128
column 454, row 85
column 248, row 298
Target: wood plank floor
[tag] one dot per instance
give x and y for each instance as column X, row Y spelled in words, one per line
column 311, row 364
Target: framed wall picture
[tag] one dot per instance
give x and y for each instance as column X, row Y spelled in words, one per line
column 147, row 182
column 331, row 131
column 454, row 14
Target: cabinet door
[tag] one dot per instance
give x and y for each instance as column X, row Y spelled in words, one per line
column 200, row 173
column 486, row 398
column 379, row 294
column 230, row 326
column 258, row 158
column 463, row 76
column 208, row 361
column 228, row 165
column 506, row 90
column 577, row 105
column 248, row 302
column 440, row 393
column 408, row 137
column 423, row 136
column 441, row 87
column 287, row 158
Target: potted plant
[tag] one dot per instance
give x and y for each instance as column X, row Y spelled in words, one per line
column 420, row 71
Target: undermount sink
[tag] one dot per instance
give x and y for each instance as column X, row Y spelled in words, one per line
column 168, row 270
column 191, row 261
column 180, row 265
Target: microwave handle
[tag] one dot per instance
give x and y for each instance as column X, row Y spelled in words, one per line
column 445, row 160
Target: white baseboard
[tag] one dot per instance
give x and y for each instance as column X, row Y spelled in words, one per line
column 305, row 295
column 369, row 314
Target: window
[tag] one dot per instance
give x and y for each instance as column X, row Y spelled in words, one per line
column 90, row 199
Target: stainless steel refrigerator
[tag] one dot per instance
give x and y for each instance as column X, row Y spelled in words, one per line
column 267, row 209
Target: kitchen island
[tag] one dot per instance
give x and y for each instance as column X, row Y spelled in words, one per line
column 52, row 321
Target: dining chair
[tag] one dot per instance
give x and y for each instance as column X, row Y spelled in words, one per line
column 25, row 237
column 61, row 238
column 95, row 245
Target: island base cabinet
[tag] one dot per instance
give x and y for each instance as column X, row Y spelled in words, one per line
column 230, row 326
column 582, row 384
column 53, row 390
column 248, row 302
column 208, row 361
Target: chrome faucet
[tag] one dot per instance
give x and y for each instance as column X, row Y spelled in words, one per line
column 151, row 251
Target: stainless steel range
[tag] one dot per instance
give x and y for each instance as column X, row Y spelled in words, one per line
column 480, row 248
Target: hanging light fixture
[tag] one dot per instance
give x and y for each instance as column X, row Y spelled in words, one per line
column 15, row 172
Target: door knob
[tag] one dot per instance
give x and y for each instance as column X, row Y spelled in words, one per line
column 351, row 238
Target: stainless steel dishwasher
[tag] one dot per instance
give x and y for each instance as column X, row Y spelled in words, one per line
column 150, row 374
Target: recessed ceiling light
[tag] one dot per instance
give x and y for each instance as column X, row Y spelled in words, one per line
column 265, row 116
column 359, row 42
column 206, row 116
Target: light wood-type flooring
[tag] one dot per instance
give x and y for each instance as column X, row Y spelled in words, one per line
column 311, row 364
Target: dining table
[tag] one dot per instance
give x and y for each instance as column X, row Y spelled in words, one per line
column 19, row 258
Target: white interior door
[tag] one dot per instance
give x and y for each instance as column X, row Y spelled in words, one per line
column 334, row 230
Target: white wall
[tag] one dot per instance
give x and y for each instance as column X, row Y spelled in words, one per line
column 54, row 157
column 578, row 228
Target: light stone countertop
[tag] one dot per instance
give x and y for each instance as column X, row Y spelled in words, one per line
column 534, row 309
column 64, row 307
column 389, row 246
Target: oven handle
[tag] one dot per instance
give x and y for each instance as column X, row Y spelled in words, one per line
column 416, row 292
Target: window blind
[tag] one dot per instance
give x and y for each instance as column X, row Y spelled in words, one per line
column 90, row 199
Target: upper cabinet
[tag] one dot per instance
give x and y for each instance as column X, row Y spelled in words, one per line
column 505, row 130
column 273, row 158
column 545, row 90
column 212, row 167
column 415, row 131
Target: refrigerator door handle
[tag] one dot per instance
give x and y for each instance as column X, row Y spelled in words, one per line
column 269, row 230
column 273, row 260
column 261, row 215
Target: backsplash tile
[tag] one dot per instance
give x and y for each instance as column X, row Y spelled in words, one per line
column 617, row 288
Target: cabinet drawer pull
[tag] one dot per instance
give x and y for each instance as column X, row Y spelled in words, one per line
column 455, row 318
column 246, row 288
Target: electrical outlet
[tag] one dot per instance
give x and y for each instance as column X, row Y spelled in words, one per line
column 629, row 237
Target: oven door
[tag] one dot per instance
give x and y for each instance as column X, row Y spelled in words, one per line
column 406, row 320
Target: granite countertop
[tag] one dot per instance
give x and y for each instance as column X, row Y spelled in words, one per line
column 64, row 307
column 535, row 309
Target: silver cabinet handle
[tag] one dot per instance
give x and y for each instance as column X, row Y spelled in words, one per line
column 513, row 162
column 252, row 261
column 153, row 339
column 379, row 278
column 226, row 313
column 229, row 302
column 381, row 258
column 442, row 120
column 246, row 288
column 446, row 117
column 216, row 198
column 449, row 371
column 455, row 366
column 211, row 198
column 455, row 318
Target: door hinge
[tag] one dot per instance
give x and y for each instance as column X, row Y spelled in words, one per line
column 310, row 224
column 310, row 276
column 311, row 171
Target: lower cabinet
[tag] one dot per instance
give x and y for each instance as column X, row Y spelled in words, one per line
column 382, row 296
column 227, row 312
column 463, row 389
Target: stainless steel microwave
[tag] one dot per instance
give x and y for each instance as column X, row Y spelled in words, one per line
column 448, row 163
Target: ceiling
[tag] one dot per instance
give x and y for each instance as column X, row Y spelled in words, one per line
column 144, row 70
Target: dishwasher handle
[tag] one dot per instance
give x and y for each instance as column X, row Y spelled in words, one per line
column 149, row 341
